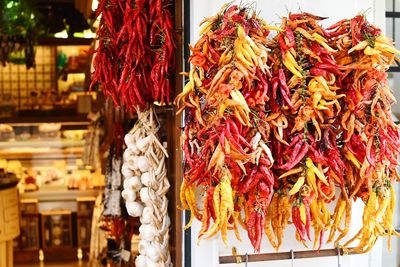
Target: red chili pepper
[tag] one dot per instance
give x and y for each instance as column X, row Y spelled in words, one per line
column 329, row 67
column 233, row 142
column 259, row 232
column 285, row 91
column 290, row 37
column 222, row 139
column 234, row 129
column 210, row 194
column 264, row 161
column 319, row 72
column 214, row 55
column 196, row 172
column 321, row 239
column 297, row 222
column 294, row 148
column 251, row 231
column 264, row 188
column 319, row 50
column 269, row 177
column 239, row 19
column 355, row 30
column 298, row 153
column 357, row 147
column 275, row 84
column 224, row 33
column 296, row 16
column 245, row 143
column 328, row 60
column 308, row 221
column 371, row 152
column 282, row 44
column 337, row 24
column 252, row 180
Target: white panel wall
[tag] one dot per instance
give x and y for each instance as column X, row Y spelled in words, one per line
column 207, row 252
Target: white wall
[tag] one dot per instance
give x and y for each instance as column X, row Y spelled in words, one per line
column 208, row 251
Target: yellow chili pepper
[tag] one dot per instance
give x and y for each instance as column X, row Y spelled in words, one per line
column 271, row 27
column 303, row 216
column 337, row 217
column 216, row 205
column 371, row 51
column 296, row 187
column 292, row 66
column 322, row 41
column 253, row 45
column 386, row 48
column 226, row 209
column 310, row 165
column 182, row 195
column 317, row 215
column 290, row 172
column 267, row 227
column 353, row 159
column 205, row 218
column 311, row 181
column 325, row 211
column 190, row 198
column 359, row 46
column 347, row 222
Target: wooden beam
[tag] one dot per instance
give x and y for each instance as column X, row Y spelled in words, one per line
column 175, row 154
column 283, row 256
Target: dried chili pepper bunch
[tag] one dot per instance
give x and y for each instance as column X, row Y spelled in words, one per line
column 320, row 102
column 106, row 69
column 370, row 137
column 304, row 120
column 130, row 69
column 225, row 138
column 135, row 56
column 333, row 109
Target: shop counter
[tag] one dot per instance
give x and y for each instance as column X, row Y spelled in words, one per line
column 9, row 224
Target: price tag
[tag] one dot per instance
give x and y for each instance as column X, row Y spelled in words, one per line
column 125, row 255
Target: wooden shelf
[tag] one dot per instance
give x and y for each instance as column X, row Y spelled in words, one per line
column 56, row 143
column 52, row 41
column 57, row 195
column 37, row 118
column 49, row 154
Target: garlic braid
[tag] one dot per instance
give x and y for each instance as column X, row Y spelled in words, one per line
column 145, row 187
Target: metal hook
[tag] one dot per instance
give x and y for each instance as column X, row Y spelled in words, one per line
column 237, row 257
column 247, row 259
column 292, row 254
column 338, row 257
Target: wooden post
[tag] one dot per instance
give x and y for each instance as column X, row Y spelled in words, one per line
column 175, row 154
column 3, row 254
column 9, row 246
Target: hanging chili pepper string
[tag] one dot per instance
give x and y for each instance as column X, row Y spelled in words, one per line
column 129, row 68
column 290, row 119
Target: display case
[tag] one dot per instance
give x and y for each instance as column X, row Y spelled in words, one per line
column 46, row 155
column 27, row 244
column 56, row 228
column 84, row 220
column 29, row 237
